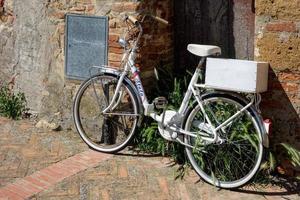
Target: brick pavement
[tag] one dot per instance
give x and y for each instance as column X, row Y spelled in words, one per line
column 46, row 178
column 25, row 149
column 37, row 164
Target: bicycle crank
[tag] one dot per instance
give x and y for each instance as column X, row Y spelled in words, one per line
column 169, row 120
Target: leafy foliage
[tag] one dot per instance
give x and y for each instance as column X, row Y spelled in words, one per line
column 272, row 167
column 293, row 154
column 269, row 164
column 233, row 158
column 12, row 105
column 176, row 96
column 271, row 161
column 148, row 139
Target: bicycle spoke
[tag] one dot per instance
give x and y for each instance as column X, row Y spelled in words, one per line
column 121, row 114
column 236, row 158
column 106, row 132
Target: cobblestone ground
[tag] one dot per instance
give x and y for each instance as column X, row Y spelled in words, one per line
column 145, row 178
column 26, row 150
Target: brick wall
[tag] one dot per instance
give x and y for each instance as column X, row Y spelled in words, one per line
column 157, row 42
column 278, row 42
column 32, row 35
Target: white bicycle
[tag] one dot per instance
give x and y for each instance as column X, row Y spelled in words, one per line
column 223, row 134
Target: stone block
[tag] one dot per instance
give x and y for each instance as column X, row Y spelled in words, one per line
column 90, row 7
column 78, row 8
column 114, row 64
column 118, row 7
column 280, row 50
column 61, row 28
column 287, row 76
column 279, row 9
column 116, row 50
column 289, row 26
column 131, row 6
column 115, row 57
column 113, row 37
column 58, row 14
column 85, row 1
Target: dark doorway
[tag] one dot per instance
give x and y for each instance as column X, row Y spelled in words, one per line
column 202, row 22
column 213, row 22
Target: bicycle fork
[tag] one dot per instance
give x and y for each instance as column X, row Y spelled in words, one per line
column 114, row 98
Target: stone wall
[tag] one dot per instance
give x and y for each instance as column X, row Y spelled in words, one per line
column 6, row 40
column 278, row 42
column 32, row 35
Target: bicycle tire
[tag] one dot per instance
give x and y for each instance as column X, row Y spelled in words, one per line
column 107, row 133
column 211, row 161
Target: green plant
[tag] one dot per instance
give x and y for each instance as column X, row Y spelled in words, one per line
column 270, row 163
column 266, row 170
column 173, row 86
column 293, row 154
column 12, row 105
column 176, row 96
column 274, row 165
column 148, row 138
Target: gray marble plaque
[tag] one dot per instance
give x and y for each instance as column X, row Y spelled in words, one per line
column 86, row 44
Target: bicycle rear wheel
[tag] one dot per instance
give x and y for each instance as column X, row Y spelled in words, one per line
column 112, row 131
column 235, row 161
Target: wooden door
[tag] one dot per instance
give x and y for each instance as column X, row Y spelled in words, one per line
column 202, row 22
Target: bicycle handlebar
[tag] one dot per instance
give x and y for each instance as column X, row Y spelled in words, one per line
column 133, row 20
column 163, row 21
column 137, row 23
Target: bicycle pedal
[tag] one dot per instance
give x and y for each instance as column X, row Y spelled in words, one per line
column 160, row 102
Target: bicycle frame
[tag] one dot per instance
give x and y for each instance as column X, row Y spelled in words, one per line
column 194, row 90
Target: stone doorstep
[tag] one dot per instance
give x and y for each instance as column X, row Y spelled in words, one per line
column 44, row 179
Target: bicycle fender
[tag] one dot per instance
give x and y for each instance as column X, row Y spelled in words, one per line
column 116, row 73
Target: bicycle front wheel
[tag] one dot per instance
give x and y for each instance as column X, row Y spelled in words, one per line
column 233, row 162
column 106, row 132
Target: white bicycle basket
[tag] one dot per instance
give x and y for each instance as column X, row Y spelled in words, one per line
column 237, row 75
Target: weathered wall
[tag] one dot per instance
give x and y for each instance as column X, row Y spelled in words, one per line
column 34, row 50
column 32, row 34
column 7, row 39
column 24, row 46
column 243, row 29
column 278, row 42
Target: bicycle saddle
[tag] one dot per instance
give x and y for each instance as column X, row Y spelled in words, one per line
column 203, row 50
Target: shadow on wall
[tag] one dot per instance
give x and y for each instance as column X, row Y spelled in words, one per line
column 277, row 106
column 157, row 43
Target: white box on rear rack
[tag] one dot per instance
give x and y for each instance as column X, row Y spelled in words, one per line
column 236, row 75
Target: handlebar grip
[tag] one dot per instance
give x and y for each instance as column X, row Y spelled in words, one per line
column 163, row 21
column 133, row 19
